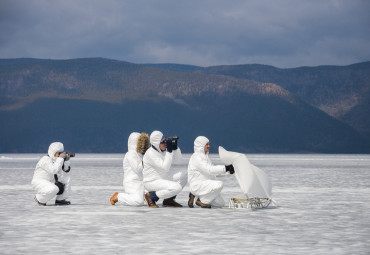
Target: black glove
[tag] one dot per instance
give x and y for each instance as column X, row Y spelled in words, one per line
column 66, row 170
column 169, row 145
column 60, row 186
column 230, row 169
column 174, row 145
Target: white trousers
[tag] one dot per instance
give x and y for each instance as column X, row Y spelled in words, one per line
column 169, row 187
column 46, row 190
column 209, row 192
column 133, row 195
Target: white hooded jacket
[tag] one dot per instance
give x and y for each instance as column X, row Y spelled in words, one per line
column 200, row 167
column 132, row 162
column 156, row 163
column 50, row 165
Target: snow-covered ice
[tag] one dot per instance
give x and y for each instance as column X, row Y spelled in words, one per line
column 323, row 208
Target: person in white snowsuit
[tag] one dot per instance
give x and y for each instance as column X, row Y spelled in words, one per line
column 202, row 176
column 133, row 184
column 160, row 180
column 52, row 176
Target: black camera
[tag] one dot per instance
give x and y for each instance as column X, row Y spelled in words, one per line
column 173, row 141
column 70, row 154
column 172, row 138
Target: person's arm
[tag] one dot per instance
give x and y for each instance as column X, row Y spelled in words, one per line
column 67, row 166
column 208, row 168
column 50, row 166
column 135, row 163
column 177, row 157
column 162, row 165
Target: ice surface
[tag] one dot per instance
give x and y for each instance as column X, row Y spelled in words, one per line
column 323, row 208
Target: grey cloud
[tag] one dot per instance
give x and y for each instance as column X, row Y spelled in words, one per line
column 283, row 33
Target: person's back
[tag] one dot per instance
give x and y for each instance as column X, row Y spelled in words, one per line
column 198, row 160
column 132, row 162
column 133, row 171
column 48, row 165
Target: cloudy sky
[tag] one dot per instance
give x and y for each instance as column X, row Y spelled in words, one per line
column 282, row 33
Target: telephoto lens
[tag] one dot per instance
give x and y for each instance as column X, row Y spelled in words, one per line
column 71, row 154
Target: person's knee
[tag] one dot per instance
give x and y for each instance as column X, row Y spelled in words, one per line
column 138, row 200
column 219, row 185
column 175, row 188
column 53, row 190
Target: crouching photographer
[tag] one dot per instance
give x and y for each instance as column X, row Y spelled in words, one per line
column 52, row 176
column 162, row 179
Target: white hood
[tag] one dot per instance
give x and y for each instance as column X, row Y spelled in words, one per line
column 199, row 144
column 53, row 148
column 132, row 141
column 155, row 138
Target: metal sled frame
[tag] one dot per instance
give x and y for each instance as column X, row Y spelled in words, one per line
column 248, row 203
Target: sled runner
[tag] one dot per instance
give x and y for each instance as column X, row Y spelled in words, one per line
column 254, row 182
column 250, row 203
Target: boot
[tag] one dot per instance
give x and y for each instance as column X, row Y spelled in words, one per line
column 170, row 202
column 201, row 204
column 191, row 200
column 39, row 203
column 149, row 201
column 114, row 198
column 62, row 202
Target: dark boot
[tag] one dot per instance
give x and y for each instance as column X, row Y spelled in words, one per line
column 201, row 204
column 191, row 200
column 149, row 201
column 170, row 202
column 62, row 202
column 39, row 203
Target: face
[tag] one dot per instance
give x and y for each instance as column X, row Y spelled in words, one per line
column 206, row 148
column 57, row 154
column 162, row 146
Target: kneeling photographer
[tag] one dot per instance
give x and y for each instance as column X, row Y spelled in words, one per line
column 161, row 178
column 52, row 176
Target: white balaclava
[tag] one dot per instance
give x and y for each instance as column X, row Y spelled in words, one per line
column 199, row 144
column 53, row 148
column 155, row 138
column 132, row 141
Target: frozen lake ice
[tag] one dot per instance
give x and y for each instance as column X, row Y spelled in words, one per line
column 323, row 208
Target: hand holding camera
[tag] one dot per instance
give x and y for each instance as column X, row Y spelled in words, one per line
column 69, row 155
column 169, row 145
column 172, row 142
column 63, row 155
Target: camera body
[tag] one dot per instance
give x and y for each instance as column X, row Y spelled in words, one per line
column 173, row 141
column 172, row 138
column 70, row 154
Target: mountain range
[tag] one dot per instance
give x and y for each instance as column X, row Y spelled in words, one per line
column 93, row 104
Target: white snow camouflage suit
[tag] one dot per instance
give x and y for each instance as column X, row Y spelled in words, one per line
column 202, row 175
column 133, row 174
column 43, row 177
column 158, row 175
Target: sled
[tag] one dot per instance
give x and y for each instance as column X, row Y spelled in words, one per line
column 250, row 203
column 254, row 182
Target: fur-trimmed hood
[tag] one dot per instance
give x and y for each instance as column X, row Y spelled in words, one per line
column 142, row 143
